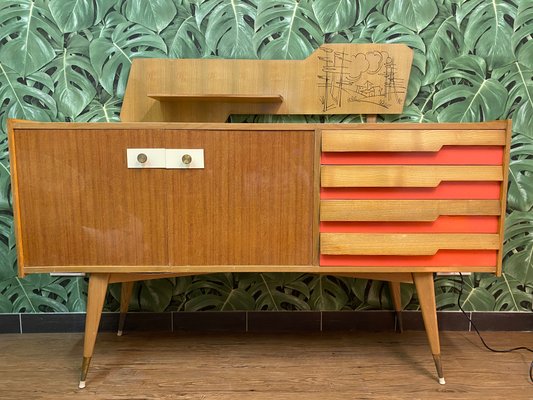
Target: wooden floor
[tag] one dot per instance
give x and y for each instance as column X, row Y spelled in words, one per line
column 264, row 366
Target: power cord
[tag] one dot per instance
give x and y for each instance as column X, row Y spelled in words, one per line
column 481, row 338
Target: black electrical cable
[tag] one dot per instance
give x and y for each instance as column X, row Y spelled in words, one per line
column 481, row 337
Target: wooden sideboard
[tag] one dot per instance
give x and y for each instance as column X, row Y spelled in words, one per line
column 396, row 202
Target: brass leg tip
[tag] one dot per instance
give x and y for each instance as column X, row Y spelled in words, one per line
column 84, row 370
column 121, row 323
column 438, row 365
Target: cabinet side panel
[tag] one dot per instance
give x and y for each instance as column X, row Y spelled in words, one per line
column 14, row 189
column 81, row 205
column 251, row 204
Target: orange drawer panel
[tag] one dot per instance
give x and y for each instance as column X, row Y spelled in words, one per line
column 443, row 224
column 446, row 190
column 449, row 155
column 443, row 258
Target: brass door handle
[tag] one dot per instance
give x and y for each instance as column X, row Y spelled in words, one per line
column 146, row 157
column 142, row 158
column 186, row 159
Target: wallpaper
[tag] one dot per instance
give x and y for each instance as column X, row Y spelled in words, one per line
column 68, row 60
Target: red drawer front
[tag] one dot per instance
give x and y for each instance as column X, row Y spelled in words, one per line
column 445, row 191
column 443, row 224
column 448, row 155
column 443, row 258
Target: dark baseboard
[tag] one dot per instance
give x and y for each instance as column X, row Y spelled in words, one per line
column 265, row 321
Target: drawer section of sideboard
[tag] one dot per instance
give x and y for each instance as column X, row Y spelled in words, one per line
column 413, row 199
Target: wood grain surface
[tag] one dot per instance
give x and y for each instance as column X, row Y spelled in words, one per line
column 403, row 210
column 80, row 204
column 73, row 188
column 225, row 98
column 252, row 204
column 503, row 194
column 403, row 244
column 30, row 125
column 407, row 140
column 213, row 89
column 306, row 366
column 404, row 175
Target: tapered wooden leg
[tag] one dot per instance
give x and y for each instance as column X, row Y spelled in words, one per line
column 125, row 295
column 396, row 296
column 95, row 302
column 426, row 296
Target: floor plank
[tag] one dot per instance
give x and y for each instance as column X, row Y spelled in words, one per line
column 307, row 366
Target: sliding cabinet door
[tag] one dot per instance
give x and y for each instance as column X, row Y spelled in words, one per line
column 80, row 204
column 252, row 203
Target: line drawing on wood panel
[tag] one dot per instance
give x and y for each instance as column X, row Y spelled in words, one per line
column 357, row 78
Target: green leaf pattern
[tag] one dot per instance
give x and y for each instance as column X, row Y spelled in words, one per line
column 112, row 53
column 487, row 29
column 467, row 94
column 286, row 29
column 28, row 35
column 154, row 14
column 73, row 15
column 228, row 28
column 68, row 60
column 413, row 14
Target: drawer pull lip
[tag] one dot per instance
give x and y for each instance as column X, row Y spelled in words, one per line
column 142, row 158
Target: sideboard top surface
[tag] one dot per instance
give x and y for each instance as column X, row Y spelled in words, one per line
column 21, row 124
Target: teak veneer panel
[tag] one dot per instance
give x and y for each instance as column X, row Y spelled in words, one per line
column 227, row 98
column 407, row 140
column 503, row 194
column 368, row 78
column 252, row 204
column 79, row 204
column 403, row 244
column 31, row 125
column 403, row 210
column 183, row 270
column 404, row 175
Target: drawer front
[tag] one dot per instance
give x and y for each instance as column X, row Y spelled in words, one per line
column 486, row 259
column 445, row 190
column 448, row 155
column 404, row 210
column 412, row 198
column 402, row 140
column 400, row 176
column 442, row 224
column 403, row 244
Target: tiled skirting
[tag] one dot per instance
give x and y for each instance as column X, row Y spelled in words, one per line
column 265, row 321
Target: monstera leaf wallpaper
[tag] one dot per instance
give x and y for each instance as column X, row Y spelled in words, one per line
column 68, row 60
